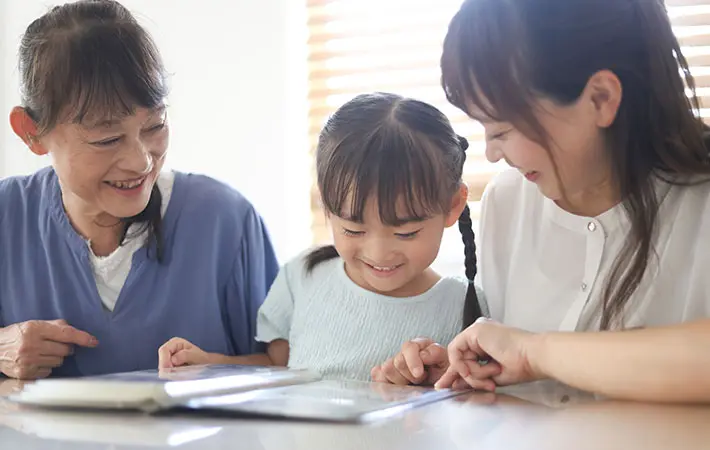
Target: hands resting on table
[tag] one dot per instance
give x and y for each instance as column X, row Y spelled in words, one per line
column 668, row 364
column 664, row 364
column 422, row 361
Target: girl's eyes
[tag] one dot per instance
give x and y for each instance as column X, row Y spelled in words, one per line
column 347, row 232
column 353, row 233
column 407, row 235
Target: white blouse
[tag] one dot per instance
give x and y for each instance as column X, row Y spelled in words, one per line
column 112, row 271
column 544, row 269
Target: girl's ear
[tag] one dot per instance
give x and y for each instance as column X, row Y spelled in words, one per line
column 458, row 203
column 26, row 129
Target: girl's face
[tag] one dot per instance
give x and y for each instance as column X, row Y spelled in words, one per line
column 391, row 260
column 108, row 168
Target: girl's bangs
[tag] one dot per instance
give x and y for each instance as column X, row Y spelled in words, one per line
column 394, row 168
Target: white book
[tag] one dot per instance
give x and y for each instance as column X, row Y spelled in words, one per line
column 233, row 391
column 155, row 390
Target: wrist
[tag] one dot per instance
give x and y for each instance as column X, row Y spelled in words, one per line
column 536, row 355
column 217, row 358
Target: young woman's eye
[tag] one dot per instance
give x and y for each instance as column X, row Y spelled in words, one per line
column 407, row 235
column 347, row 232
column 498, row 136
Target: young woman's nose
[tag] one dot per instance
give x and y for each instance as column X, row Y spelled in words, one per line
column 493, row 154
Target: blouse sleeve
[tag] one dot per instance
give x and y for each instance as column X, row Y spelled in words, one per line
column 275, row 315
column 255, row 269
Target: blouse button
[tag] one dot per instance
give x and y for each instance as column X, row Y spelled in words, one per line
column 584, row 287
column 591, row 226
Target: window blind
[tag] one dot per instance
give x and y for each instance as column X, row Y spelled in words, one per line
column 358, row 46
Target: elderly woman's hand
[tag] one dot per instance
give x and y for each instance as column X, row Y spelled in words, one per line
column 30, row 350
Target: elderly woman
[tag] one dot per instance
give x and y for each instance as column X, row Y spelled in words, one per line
column 103, row 256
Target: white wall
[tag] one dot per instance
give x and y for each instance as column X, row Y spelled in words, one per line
column 238, row 100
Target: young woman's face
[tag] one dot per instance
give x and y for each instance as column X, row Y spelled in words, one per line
column 575, row 141
column 110, row 167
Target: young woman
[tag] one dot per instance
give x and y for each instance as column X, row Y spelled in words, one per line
column 602, row 223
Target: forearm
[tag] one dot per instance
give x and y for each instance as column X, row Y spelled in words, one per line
column 670, row 364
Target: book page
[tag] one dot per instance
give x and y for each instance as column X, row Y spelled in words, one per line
column 327, row 400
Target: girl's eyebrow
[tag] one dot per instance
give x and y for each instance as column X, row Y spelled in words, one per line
column 349, row 218
column 400, row 221
column 407, row 220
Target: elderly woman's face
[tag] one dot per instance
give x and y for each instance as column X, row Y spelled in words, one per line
column 109, row 166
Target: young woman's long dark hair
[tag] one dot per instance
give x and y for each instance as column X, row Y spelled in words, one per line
column 92, row 59
column 397, row 151
column 503, row 55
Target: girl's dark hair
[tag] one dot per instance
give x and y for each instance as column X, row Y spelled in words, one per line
column 90, row 61
column 402, row 153
column 502, row 55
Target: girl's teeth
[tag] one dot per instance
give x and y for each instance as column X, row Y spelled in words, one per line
column 384, row 269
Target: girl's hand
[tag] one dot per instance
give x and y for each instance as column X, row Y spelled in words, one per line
column 420, row 361
column 180, row 352
column 505, row 349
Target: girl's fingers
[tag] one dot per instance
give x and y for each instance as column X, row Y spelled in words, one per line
column 392, row 375
column 400, row 363
column 181, row 358
column 413, row 362
column 377, row 376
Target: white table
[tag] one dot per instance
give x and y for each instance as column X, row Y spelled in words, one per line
column 472, row 421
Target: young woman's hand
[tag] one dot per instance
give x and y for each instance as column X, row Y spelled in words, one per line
column 180, row 352
column 420, row 361
column 504, row 349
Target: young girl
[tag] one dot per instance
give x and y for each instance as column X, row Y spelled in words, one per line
column 602, row 225
column 389, row 173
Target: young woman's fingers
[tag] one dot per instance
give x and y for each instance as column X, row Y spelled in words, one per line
column 448, row 379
